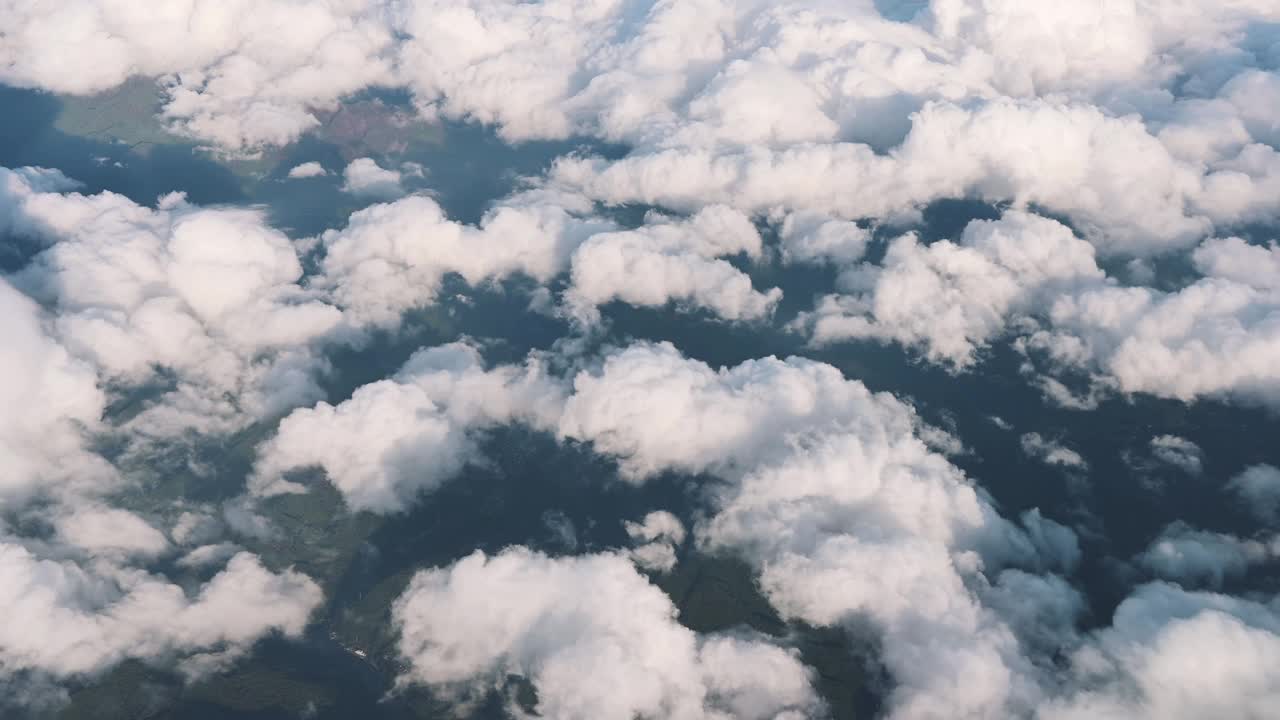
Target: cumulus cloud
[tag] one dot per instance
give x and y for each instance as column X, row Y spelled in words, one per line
column 809, row 237
column 205, row 300
column 1120, row 212
column 209, row 555
column 109, row 531
column 1215, row 337
column 842, row 507
column 393, row 257
column 396, row 439
column 671, row 261
column 308, row 170
column 1178, row 452
column 365, row 178
column 1151, row 661
column 209, row 294
column 66, row 620
column 657, row 537
column 1030, row 276
column 1145, row 125
column 829, row 485
column 751, row 103
column 953, row 298
column 592, row 636
column 646, row 401
column 49, row 402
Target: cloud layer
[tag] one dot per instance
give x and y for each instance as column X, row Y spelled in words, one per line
column 1126, row 152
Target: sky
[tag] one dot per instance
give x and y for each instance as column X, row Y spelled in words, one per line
column 598, row 359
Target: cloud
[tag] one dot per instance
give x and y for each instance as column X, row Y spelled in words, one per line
column 1148, row 118
column 809, row 237
column 1258, row 488
column 1145, row 126
column 1215, row 337
column 1233, row 259
column 1150, row 663
column 1051, row 452
column 65, row 620
column 208, row 555
column 842, row 508
column 239, row 85
column 671, row 261
column 1030, row 276
column 1179, row 452
column 592, row 636
column 789, row 437
column 363, row 177
column 657, row 525
column 396, row 439
column 208, row 294
column 657, row 537
column 953, row 298
column 131, row 296
column 110, row 531
column 393, row 257
column 309, row 170
column 1197, row 557
column 49, row 402
column 958, row 151
column 646, row 401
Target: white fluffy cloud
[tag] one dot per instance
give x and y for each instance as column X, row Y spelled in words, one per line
column 1217, row 337
column 307, row 170
column 594, row 638
column 1173, row 654
column 953, row 298
column 49, row 400
column 395, row 439
column 837, row 501
column 209, row 294
column 65, row 620
column 238, row 84
column 208, row 297
column 1083, row 168
column 393, row 257
column 1147, row 125
column 657, row 536
column 1024, row 274
column 652, row 409
column 809, row 237
column 829, row 485
column 671, row 261
column 365, row 178
column 1178, row 452
column 100, row 530
column 749, row 103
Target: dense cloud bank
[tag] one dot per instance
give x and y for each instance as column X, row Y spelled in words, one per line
column 1150, row 118
column 1128, row 152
